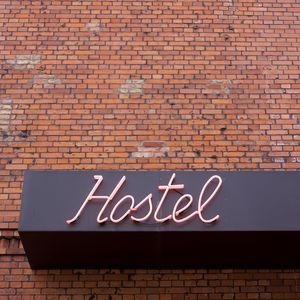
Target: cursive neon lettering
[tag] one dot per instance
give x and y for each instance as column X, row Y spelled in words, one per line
column 202, row 206
column 177, row 212
column 126, row 213
column 167, row 188
column 109, row 198
column 181, row 205
column 91, row 197
column 149, row 199
column 88, row 198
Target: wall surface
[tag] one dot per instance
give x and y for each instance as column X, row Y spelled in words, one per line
column 145, row 85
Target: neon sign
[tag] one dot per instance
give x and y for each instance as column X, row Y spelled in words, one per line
column 158, row 219
column 178, row 209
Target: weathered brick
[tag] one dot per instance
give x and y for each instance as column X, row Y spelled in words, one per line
column 149, row 149
column 132, row 86
column 44, row 80
column 218, row 87
column 26, row 61
column 94, row 26
column 5, row 118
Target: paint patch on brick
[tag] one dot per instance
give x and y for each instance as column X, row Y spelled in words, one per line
column 270, row 72
column 218, row 87
column 5, row 114
column 150, row 149
column 24, row 62
column 45, row 80
column 94, row 26
column 132, row 86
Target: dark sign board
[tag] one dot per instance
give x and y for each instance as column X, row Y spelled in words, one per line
column 106, row 219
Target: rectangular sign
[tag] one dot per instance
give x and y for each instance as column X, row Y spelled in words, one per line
column 92, row 219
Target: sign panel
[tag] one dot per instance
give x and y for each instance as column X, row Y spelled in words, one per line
column 72, row 219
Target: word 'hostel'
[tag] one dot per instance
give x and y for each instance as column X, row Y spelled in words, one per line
column 181, row 205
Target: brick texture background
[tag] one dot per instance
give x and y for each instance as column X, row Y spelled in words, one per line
column 181, row 84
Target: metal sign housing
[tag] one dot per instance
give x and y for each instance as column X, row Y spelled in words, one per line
column 161, row 219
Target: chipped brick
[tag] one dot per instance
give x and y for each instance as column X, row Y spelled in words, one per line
column 94, row 26
column 45, row 80
column 5, row 116
column 153, row 144
column 24, row 62
column 149, row 149
column 132, row 86
column 218, row 87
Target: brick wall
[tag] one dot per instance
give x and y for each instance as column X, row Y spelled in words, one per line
column 198, row 85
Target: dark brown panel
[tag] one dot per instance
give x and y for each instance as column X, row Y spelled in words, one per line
column 259, row 224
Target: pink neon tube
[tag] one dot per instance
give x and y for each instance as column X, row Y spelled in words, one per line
column 147, row 199
column 166, row 188
column 117, row 205
column 90, row 196
column 202, row 206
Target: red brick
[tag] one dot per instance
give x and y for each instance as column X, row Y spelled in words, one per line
column 144, row 85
